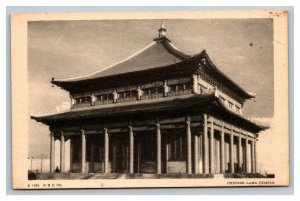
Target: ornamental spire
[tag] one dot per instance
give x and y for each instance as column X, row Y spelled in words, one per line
column 162, row 30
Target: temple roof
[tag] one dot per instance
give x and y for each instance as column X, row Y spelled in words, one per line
column 159, row 53
column 194, row 102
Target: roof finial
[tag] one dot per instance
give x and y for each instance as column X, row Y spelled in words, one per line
column 162, row 30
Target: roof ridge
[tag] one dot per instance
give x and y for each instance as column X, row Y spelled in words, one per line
column 171, row 47
column 107, row 67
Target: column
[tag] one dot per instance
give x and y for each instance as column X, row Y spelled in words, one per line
column 255, row 155
column 83, row 152
column 205, row 146
column 247, row 156
column 131, row 150
column 189, row 147
column 240, row 153
column 196, row 154
column 231, row 151
column 211, row 142
column 158, row 149
column 200, row 151
column 167, row 154
column 222, row 150
column 106, row 150
column 71, row 153
column 252, row 157
column 52, row 152
column 62, row 152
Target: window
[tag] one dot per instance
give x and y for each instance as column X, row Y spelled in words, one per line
column 230, row 104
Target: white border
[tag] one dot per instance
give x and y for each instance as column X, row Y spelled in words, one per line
column 153, row 2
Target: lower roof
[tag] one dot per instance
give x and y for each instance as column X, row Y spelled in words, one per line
column 205, row 103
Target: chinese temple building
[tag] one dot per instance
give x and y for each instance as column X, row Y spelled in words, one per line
column 159, row 111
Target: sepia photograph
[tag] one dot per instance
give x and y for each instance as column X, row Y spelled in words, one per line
column 150, row 99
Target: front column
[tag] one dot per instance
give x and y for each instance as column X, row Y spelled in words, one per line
column 158, row 149
column 211, row 142
column 106, row 150
column 189, row 147
column 62, row 152
column 222, row 150
column 255, row 155
column 167, row 155
column 52, row 152
column 240, row 153
column 252, row 157
column 196, row 154
column 131, row 150
column 83, row 152
column 247, row 156
column 231, row 151
column 205, row 146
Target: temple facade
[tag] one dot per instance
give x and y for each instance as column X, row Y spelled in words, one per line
column 159, row 111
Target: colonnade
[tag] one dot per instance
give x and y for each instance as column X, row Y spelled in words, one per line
column 201, row 152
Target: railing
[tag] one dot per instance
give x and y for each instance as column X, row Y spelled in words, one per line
column 152, row 96
column 134, row 98
column 127, row 99
column 180, row 92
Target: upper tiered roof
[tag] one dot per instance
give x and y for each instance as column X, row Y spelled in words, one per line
column 160, row 54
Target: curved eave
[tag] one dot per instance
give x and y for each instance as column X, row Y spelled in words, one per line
column 222, row 107
column 227, row 79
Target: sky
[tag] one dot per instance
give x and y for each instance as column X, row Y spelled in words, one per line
column 241, row 48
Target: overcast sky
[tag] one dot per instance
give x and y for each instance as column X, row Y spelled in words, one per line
column 242, row 49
